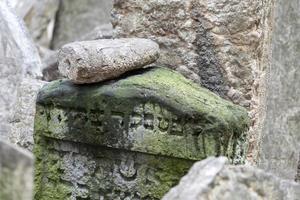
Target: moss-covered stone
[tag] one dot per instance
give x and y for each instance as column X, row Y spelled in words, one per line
column 148, row 127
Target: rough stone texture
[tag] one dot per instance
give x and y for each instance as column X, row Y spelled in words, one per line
column 212, row 179
column 217, row 43
column 16, row 173
column 18, row 57
column 98, row 60
column 40, row 19
column 23, row 116
column 280, row 148
column 77, row 18
column 130, row 138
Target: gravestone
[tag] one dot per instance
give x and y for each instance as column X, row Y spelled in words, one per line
column 280, row 150
column 130, row 138
column 16, row 173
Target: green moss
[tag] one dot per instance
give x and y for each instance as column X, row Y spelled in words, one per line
column 47, row 182
column 169, row 175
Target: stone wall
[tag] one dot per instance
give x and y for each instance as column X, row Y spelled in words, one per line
column 279, row 150
column 16, row 173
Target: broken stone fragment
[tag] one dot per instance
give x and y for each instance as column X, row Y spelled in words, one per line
column 214, row 179
column 95, row 61
column 133, row 137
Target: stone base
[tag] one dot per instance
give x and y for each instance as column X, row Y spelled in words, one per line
column 80, row 171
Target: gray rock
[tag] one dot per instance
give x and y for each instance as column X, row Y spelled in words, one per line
column 24, row 111
column 18, row 58
column 95, row 61
column 77, row 18
column 213, row 179
column 16, row 173
column 279, row 152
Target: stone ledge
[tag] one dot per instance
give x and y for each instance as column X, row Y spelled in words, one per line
column 157, row 111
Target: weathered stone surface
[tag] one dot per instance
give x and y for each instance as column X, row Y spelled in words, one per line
column 217, row 43
column 40, row 19
column 280, row 150
column 77, row 18
column 213, row 179
column 98, row 60
column 18, row 57
column 129, row 138
column 23, row 116
column 16, row 173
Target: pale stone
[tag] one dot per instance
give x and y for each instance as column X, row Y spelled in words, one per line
column 16, row 173
column 39, row 17
column 214, row 179
column 279, row 152
column 77, row 18
column 18, row 58
column 24, row 111
column 130, row 138
column 98, row 60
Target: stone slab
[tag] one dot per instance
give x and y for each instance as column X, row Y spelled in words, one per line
column 155, row 111
column 279, row 148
